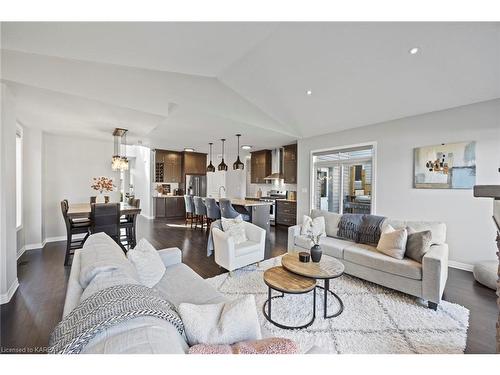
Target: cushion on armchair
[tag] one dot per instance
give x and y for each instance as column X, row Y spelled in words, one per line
column 235, row 228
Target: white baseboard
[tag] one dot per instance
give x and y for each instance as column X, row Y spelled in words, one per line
column 37, row 246
column 33, row 246
column 460, row 265
column 147, row 217
column 5, row 298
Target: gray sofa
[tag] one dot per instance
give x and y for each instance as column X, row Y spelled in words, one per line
column 144, row 334
column 425, row 280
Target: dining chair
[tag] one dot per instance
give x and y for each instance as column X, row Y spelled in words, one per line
column 213, row 210
column 188, row 202
column 200, row 211
column 227, row 210
column 105, row 217
column 73, row 226
column 128, row 223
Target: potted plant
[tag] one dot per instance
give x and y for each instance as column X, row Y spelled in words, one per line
column 103, row 184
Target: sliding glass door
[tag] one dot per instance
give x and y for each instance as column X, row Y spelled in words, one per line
column 342, row 180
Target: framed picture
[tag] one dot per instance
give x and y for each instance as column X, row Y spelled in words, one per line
column 445, row 166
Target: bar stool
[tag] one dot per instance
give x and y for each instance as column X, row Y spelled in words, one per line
column 73, row 226
column 200, row 211
column 213, row 210
column 188, row 202
column 129, row 224
column 227, row 210
column 105, row 217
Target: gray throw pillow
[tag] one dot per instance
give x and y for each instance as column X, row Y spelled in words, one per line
column 418, row 244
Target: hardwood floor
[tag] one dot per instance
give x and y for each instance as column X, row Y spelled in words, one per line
column 27, row 320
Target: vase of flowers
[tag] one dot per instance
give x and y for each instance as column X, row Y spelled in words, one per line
column 316, row 251
column 103, row 184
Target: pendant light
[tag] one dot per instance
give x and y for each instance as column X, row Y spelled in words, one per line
column 222, row 166
column 119, row 162
column 210, row 167
column 238, row 165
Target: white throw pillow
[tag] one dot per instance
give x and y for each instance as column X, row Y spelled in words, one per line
column 221, row 323
column 393, row 242
column 315, row 226
column 235, row 228
column 147, row 262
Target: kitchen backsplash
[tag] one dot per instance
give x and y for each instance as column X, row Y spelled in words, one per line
column 253, row 188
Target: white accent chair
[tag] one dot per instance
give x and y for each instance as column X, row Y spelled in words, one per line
column 232, row 256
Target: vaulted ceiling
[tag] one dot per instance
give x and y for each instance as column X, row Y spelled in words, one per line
column 176, row 85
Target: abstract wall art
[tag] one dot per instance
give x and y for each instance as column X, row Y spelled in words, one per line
column 445, row 166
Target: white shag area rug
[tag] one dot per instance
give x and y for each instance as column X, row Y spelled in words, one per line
column 375, row 319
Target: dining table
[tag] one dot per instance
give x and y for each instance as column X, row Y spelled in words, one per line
column 79, row 210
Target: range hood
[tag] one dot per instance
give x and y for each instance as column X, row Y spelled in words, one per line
column 276, row 165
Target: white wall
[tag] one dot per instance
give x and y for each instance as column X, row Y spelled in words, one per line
column 8, row 253
column 30, row 236
column 69, row 165
column 470, row 228
column 141, row 173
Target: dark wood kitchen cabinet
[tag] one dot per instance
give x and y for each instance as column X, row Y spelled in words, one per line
column 286, row 212
column 173, row 166
column 260, row 166
column 290, row 164
column 195, row 163
column 169, row 207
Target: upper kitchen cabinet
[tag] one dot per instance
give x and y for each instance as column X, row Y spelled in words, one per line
column 168, row 166
column 195, row 163
column 260, row 166
column 290, row 164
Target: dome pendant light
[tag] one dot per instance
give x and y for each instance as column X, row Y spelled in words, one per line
column 238, row 165
column 222, row 166
column 210, row 167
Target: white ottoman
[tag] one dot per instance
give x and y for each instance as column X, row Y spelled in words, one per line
column 486, row 273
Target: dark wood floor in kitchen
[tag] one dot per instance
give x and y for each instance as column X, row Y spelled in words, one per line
column 27, row 320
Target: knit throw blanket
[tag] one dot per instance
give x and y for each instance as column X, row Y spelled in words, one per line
column 349, row 226
column 369, row 232
column 360, row 228
column 105, row 309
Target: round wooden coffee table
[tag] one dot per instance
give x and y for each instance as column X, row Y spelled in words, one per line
column 283, row 281
column 327, row 268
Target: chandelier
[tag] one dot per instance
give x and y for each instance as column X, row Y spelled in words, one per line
column 119, row 162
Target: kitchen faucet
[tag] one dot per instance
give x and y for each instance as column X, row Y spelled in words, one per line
column 221, row 187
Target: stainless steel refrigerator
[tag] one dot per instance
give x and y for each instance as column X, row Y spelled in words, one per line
column 196, row 185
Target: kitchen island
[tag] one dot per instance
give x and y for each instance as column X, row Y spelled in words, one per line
column 258, row 211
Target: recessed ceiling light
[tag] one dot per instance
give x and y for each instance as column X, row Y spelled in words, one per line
column 309, row 92
column 246, row 147
column 414, row 51
column 189, row 149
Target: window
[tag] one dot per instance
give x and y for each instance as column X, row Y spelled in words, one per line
column 342, row 180
column 19, row 177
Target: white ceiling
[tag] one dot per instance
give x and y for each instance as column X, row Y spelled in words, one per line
column 243, row 77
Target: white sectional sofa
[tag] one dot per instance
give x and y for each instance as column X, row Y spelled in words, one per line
column 426, row 280
column 143, row 334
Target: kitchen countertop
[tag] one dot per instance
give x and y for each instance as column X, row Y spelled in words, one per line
column 169, row 196
column 246, row 202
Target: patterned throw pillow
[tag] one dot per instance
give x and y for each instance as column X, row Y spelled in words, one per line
column 235, row 228
column 271, row 345
column 314, row 226
column 418, row 244
column 393, row 242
